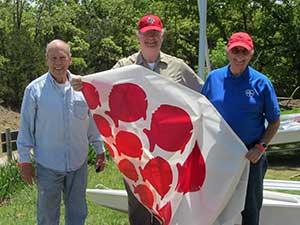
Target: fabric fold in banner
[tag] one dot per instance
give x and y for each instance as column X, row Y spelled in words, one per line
column 179, row 157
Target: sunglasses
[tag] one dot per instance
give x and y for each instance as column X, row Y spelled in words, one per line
column 237, row 51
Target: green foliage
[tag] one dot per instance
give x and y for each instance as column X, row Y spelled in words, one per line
column 3, row 60
column 92, row 155
column 109, row 52
column 78, row 47
column 10, row 180
column 217, row 55
column 102, row 31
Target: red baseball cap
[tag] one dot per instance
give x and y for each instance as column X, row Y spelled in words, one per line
column 240, row 39
column 149, row 22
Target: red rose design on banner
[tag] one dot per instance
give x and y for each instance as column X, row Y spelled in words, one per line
column 102, row 125
column 127, row 103
column 158, row 172
column 191, row 174
column 167, row 125
column 145, row 195
column 129, row 144
column 156, row 133
column 128, row 169
column 109, row 148
column 91, row 95
column 165, row 213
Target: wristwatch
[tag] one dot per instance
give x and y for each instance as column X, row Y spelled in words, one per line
column 263, row 144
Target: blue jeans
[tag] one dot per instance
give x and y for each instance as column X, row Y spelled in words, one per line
column 254, row 196
column 51, row 185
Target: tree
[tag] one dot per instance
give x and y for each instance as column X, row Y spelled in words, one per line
column 102, row 31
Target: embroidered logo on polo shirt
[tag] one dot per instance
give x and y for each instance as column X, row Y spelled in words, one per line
column 249, row 92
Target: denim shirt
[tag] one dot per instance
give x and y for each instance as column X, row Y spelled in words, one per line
column 57, row 125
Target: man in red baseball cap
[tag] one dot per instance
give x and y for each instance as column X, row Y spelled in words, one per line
column 150, row 36
column 246, row 98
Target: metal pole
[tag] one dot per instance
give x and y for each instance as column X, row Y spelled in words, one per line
column 202, row 4
column 207, row 56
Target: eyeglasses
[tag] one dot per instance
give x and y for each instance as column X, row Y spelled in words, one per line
column 237, row 51
column 151, row 33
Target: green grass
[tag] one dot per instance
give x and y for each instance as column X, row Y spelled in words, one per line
column 284, row 166
column 20, row 209
column 290, row 111
column 10, row 180
column 284, row 173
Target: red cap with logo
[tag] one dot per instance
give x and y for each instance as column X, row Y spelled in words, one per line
column 149, row 22
column 240, row 39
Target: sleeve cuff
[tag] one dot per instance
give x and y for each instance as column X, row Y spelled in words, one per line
column 98, row 147
column 19, row 165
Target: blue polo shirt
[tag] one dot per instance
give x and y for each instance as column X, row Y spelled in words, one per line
column 245, row 102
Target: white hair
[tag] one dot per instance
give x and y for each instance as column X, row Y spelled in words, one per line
column 58, row 41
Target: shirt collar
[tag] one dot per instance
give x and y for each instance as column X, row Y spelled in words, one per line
column 243, row 76
column 161, row 58
column 51, row 79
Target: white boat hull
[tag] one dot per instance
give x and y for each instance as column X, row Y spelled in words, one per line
column 278, row 208
column 289, row 130
column 114, row 199
column 286, row 136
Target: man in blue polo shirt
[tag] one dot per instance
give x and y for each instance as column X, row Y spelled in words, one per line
column 246, row 98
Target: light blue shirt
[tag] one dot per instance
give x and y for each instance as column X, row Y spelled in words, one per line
column 57, row 124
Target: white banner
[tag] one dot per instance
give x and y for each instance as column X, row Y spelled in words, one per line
column 180, row 158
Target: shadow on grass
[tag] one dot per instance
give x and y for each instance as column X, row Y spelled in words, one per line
column 285, row 156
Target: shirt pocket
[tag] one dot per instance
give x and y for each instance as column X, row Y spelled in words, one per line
column 80, row 110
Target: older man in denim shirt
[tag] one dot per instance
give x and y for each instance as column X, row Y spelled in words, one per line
column 57, row 124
